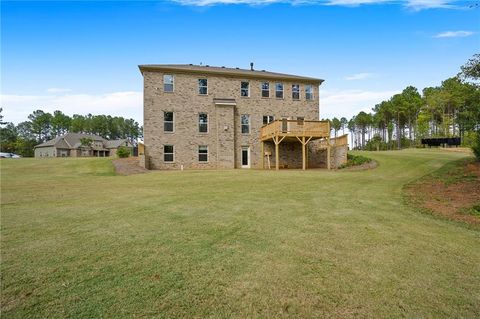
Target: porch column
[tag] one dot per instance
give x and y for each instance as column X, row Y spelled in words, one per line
column 277, row 158
column 263, row 155
column 328, row 153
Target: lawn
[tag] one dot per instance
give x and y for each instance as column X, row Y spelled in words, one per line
column 78, row 241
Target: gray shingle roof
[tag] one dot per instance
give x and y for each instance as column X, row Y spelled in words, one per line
column 72, row 140
column 206, row 69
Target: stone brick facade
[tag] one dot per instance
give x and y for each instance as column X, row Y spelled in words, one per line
column 224, row 106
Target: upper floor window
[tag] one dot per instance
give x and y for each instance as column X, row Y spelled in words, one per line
column 168, row 121
column 203, row 122
column 309, row 92
column 203, row 153
column 267, row 119
column 265, row 89
column 202, row 86
column 245, row 89
column 295, row 91
column 168, row 83
column 245, row 124
column 279, row 90
column 168, row 153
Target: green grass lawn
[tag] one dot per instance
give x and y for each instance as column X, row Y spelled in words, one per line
column 78, row 241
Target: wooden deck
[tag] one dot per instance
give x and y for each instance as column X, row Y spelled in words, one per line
column 296, row 130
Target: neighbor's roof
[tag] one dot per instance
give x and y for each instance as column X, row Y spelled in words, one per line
column 115, row 143
column 70, row 140
column 237, row 72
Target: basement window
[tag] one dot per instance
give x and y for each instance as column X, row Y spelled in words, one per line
column 168, row 153
column 167, row 83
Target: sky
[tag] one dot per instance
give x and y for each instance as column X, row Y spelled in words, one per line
column 82, row 57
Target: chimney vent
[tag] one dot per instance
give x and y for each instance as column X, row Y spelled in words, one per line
column 251, row 66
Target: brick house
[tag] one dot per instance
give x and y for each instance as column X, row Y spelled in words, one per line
column 70, row 145
column 217, row 117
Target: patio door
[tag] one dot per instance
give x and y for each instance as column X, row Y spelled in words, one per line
column 245, row 157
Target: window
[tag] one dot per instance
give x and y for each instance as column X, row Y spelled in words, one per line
column 202, row 86
column 267, row 119
column 309, row 92
column 245, row 89
column 203, row 123
column 245, row 124
column 168, row 154
column 167, row 83
column 265, row 89
column 295, row 91
column 300, row 120
column 203, row 153
column 279, row 90
column 168, row 121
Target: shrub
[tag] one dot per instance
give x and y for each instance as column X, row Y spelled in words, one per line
column 476, row 146
column 355, row 160
column 123, row 152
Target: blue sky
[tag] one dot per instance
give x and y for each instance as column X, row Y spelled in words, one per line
column 82, row 56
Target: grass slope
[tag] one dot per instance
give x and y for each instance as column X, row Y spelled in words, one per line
column 79, row 242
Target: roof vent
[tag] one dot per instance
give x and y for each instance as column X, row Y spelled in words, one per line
column 223, row 67
column 237, row 68
column 190, row 64
column 207, row 65
column 251, row 66
column 263, row 70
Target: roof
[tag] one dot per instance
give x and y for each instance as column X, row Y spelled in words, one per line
column 115, row 143
column 237, row 72
column 72, row 140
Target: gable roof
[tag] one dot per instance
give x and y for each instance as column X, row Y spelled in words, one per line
column 70, row 140
column 237, row 72
column 115, row 143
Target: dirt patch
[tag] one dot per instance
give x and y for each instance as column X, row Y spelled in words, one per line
column 453, row 193
column 465, row 150
column 128, row 166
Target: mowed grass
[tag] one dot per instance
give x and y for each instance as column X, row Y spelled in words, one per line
column 78, row 241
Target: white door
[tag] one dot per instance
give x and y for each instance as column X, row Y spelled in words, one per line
column 245, row 157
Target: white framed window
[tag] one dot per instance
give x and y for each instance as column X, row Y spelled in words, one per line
column 203, row 122
column 279, row 90
column 245, row 89
column 168, row 153
column 202, row 86
column 168, row 122
column 309, row 92
column 267, row 119
column 265, row 89
column 168, row 83
column 245, row 123
column 296, row 91
column 300, row 120
column 203, row 153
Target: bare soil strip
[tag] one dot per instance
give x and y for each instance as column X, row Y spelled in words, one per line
column 128, row 166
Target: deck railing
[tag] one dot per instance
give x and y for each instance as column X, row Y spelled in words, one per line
column 295, row 128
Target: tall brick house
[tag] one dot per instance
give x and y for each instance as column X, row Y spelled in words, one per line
column 217, row 117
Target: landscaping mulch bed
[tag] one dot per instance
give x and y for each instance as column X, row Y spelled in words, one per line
column 128, row 166
column 453, row 193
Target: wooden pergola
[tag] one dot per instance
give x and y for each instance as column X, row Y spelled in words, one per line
column 293, row 130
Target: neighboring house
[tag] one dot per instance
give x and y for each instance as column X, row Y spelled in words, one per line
column 216, row 117
column 70, row 145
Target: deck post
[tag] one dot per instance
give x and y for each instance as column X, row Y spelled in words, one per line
column 303, row 154
column 263, row 155
column 328, row 153
column 277, row 158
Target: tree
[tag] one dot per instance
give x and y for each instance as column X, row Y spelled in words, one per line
column 60, row 123
column 41, row 125
column 363, row 121
column 344, row 123
column 471, row 69
column 336, row 125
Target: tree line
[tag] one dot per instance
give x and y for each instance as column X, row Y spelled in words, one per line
column 450, row 109
column 43, row 126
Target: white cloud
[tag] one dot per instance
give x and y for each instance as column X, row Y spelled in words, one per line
column 411, row 4
column 346, row 103
column 16, row 108
column 453, row 34
column 58, row 90
column 358, row 76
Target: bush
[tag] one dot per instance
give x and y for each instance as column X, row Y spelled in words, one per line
column 476, row 147
column 355, row 160
column 123, row 152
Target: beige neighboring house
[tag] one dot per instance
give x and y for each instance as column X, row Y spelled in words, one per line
column 69, row 145
column 216, row 117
